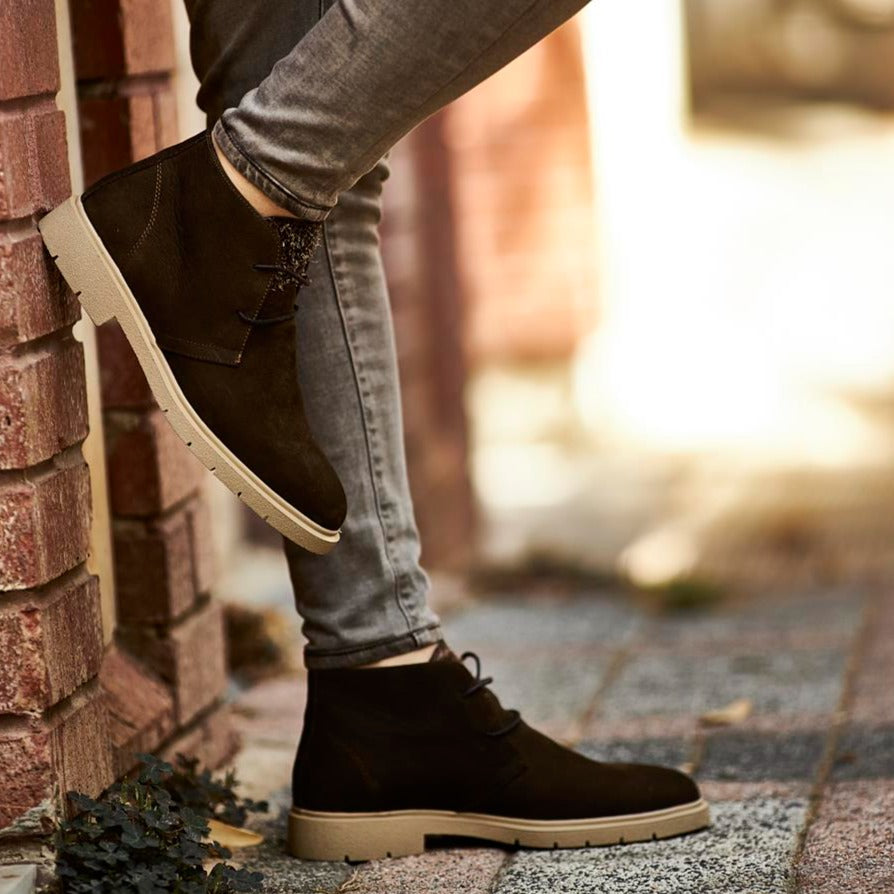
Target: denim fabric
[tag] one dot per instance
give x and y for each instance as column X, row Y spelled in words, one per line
column 366, row 600
column 362, row 78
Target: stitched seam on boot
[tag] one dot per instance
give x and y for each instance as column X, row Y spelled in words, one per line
column 153, row 216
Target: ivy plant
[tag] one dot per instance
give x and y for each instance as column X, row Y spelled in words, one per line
column 138, row 838
column 213, row 798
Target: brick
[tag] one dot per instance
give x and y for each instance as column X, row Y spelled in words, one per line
column 34, row 299
column 190, row 658
column 40, row 760
column 105, row 135
column 157, row 568
column 43, row 403
column 44, row 525
column 166, row 122
column 26, row 771
column 51, row 644
column 142, row 125
column 97, row 39
column 148, row 36
column 211, row 739
column 121, row 37
column 28, row 48
column 150, row 470
column 122, row 381
column 82, row 749
column 202, row 542
column 141, row 709
column 33, row 162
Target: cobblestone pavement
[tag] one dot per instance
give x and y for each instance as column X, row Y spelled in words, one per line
column 802, row 791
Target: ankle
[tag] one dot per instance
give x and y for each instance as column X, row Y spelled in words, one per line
column 417, row 656
column 260, row 201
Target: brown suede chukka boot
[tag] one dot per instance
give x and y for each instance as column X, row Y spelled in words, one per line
column 204, row 289
column 392, row 755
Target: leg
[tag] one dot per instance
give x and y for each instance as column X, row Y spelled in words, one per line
column 367, row 601
column 361, row 79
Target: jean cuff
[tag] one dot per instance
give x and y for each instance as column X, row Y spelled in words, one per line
column 264, row 182
column 370, row 652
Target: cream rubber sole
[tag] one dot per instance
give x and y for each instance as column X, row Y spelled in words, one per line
column 314, row 835
column 95, row 278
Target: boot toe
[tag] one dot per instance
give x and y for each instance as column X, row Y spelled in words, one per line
column 664, row 787
column 318, row 490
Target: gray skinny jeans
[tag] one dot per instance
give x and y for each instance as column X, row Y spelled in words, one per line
column 306, row 97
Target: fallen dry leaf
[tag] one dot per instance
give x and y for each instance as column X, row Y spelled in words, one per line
column 232, row 836
column 735, row 712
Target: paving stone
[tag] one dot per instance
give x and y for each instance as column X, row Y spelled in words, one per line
column 286, row 875
column 786, row 682
column 649, row 726
column 682, row 726
column 850, row 846
column 834, row 613
column 544, row 622
column 449, row 871
column 737, row 755
column 746, row 851
column 865, row 752
column 714, row 790
column 873, row 697
column 667, row 752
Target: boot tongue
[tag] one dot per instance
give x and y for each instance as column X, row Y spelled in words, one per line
column 298, row 241
column 443, row 652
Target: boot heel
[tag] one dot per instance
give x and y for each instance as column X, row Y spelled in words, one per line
column 314, row 835
column 81, row 260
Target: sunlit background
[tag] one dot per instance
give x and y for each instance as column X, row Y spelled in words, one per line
column 728, row 412
column 642, row 282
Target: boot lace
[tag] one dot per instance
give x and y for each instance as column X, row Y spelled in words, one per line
column 481, row 683
column 298, row 240
column 285, row 274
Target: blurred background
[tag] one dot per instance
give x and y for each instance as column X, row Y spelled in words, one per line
column 642, row 288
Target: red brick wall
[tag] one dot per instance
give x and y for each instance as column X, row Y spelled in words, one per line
column 53, row 723
column 72, row 717
column 124, row 58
